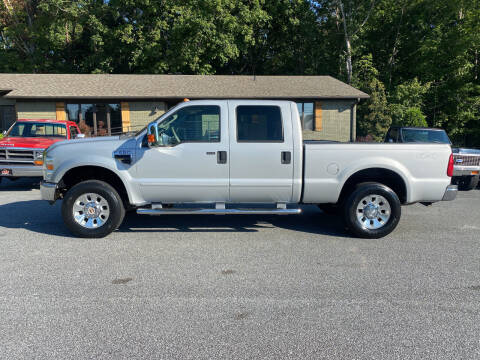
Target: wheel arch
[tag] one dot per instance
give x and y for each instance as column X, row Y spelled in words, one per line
column 382, row 175
column 77, row 174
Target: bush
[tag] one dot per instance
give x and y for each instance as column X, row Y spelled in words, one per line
column 406, row 104
column 414, row 117
column 408, row 116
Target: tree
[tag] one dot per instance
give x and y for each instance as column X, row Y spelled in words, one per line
column 406, row 104
column 350, row 17
column 373, row 116
column 41, row 36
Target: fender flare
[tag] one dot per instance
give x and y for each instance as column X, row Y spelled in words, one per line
column 378, row 163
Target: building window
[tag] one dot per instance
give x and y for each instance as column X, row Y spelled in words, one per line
column 306, row 111
column 96, row 119
column 7, row 116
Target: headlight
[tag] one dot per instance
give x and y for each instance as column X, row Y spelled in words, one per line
column 38, row 157
column 38, row 154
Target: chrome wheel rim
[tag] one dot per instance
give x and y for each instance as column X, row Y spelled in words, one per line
column 373, row 212
column 91, row 210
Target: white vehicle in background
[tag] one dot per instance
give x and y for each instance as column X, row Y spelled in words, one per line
column 222, row 156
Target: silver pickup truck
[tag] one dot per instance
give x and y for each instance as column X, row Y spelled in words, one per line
column 229, row 156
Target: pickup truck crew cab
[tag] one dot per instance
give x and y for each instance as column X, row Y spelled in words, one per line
column 219, row 153
column 466, row 167
column 21, row 150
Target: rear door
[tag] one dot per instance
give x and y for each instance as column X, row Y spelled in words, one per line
column 261, row 151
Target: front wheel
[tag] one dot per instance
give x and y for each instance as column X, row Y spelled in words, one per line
column 372, row 211
column 92, row 209
column 467, row 183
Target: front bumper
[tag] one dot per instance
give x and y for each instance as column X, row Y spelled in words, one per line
column 450, row 193
column 466, row 170
column 48, row 191
column 23, row 170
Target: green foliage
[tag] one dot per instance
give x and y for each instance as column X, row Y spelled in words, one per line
column 414, row 117
column 406, row 103
column 419, row 60
column 410, row 94
column 373, row 116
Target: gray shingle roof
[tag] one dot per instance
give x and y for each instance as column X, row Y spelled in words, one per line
column 74, row 86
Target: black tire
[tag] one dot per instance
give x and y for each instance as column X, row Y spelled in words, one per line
column 353, row 201
column 115, row 203
column 475, row 181
column 330, row 209
column 467, row 183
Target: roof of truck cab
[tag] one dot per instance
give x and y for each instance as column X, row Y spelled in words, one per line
column 121, row 86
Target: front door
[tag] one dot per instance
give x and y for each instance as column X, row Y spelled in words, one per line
column 261, row 152
column 191, row 163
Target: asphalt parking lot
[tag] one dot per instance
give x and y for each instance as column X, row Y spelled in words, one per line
column 196, row 287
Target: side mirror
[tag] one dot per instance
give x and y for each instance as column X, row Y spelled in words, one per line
column 80, row 136
column 152, row 135
column 4, row 132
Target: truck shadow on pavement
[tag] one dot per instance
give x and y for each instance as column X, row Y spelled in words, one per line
column 311, row 221
column 38, row 216
column 25, row 184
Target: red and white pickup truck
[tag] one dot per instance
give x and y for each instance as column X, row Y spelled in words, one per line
column 21, row 149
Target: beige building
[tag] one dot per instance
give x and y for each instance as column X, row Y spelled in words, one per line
column 111, row 104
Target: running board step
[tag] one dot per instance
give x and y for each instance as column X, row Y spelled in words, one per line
column 218, row 211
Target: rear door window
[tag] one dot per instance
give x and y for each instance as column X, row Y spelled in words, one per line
column 259, row 124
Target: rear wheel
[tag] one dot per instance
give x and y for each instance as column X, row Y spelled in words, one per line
column 92, row 209
column 372, row 211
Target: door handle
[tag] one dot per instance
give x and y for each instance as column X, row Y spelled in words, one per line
column 221, row 157
column 286, row 157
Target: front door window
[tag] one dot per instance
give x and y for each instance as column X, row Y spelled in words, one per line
column 191, row 124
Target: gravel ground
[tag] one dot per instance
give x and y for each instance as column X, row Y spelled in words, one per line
column 198, row 287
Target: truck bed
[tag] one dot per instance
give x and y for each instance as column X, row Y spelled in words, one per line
column 328, row 165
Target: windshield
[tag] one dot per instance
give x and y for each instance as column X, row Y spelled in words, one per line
column 33, row 129
column 425, row 136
